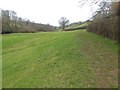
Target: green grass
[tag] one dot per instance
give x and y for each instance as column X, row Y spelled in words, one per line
column 75, row 59
column 77, row 26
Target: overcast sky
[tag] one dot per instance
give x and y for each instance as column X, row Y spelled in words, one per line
column 47, row 11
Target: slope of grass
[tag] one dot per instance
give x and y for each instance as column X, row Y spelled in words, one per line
column 59, row 59
column 77, row 26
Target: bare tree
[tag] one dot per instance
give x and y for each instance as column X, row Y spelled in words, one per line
column 115, row 9
column 88, row 2
column 63, row 22
column 5, row 21
column 105, row 8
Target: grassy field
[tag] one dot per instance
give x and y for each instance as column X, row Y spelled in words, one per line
column 74, row 59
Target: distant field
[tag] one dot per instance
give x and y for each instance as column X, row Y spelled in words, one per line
column 77, row 26
column 75, row 59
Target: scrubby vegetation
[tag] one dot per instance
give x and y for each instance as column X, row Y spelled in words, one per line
column 107, row 27
column 106, row 21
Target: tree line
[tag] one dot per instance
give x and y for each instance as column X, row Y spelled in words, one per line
column 105, row 20
column 11, row 23
column 106, row 10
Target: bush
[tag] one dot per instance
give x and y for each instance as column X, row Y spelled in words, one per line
column 107, row 27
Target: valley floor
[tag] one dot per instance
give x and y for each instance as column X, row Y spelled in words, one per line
column 75, row 59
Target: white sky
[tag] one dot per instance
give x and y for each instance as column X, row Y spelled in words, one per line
column 47, row 11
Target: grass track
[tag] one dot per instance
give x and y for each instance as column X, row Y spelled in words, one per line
column 59, row 59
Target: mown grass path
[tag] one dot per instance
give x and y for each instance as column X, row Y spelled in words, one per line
column 75, row 59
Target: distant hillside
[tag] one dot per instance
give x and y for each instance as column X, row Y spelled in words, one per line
column 11, row 23
column 77, row 25
column 44, row 27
